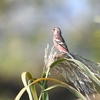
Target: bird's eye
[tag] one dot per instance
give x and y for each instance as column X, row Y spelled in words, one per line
column 54, row 29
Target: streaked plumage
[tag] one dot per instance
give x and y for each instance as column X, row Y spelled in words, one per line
column 58, row 40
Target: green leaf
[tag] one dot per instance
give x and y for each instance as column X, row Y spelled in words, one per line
column 27, row 76
column 27, row 79
column 86, row 70
column 33, row 90
column 20, row 94
column 74, row 91
column 62, row 84
column 56, row 62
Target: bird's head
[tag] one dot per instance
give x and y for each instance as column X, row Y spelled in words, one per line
column 56, row 31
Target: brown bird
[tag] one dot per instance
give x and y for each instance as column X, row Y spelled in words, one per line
column 58, row 40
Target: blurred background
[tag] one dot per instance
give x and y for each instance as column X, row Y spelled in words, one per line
column 25, row 30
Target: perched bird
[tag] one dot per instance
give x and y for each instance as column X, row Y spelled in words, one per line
column 60, row 44
column 76, row 69
column 58, row 40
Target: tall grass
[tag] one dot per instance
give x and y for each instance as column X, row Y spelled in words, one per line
column 74, row 68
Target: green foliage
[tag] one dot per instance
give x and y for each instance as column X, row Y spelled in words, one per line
column 29, row 85
column 87, row 71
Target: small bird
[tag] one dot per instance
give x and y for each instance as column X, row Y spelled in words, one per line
column 58, row 40
column 76, row 69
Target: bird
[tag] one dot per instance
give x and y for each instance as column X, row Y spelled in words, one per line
column 61, row 45
column 77, row 73
column 59, row 41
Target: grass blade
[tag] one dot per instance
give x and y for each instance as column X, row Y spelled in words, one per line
column 86, row 70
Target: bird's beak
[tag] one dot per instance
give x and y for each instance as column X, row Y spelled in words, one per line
column 53, row 30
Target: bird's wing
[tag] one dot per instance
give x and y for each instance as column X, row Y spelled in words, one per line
column 61, row 43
